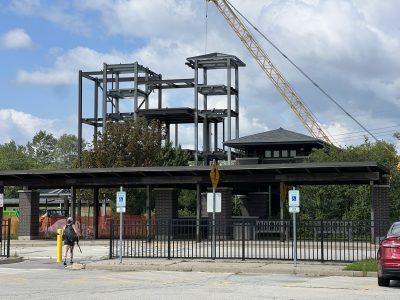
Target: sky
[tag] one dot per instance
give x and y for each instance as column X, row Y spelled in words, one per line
column 348, row 47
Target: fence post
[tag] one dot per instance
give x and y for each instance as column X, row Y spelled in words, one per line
column 322, row 241
column 243, row 248
column 169, row 223
column 8, row 237
column 111, row 238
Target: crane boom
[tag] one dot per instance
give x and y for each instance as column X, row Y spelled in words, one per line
column 272, row 72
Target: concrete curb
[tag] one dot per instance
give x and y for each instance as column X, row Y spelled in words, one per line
column 226, row 267
column 11, row 260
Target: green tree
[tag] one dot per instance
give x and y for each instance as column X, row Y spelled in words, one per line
column 42, row 149
column 350, row 201
column 66, row 150
column 132, row 144
column 14, row 157
column 170, row 156
column 125, row 144
column 187, row 203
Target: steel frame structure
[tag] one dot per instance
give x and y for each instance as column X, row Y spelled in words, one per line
column 117, row 82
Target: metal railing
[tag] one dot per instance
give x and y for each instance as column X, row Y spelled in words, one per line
column 5, row 237
column 339, row 241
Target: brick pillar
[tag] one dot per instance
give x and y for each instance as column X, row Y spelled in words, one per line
column 255, row 205
column 29, row 214
column 166, row 206
column 380, row 210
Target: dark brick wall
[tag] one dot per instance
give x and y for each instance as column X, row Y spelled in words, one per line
column 29, row 214
column 380, row 209
column 255, row 205
column 166, row 203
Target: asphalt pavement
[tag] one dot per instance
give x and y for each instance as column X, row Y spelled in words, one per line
column 94, row 256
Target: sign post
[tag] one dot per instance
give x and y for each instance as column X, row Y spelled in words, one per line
column 294, row 207
column 214, row 176
column 121, row 204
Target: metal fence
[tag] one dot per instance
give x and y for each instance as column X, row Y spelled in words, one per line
column 5, row 237
column 333, row 240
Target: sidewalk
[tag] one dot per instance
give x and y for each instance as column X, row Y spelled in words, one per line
column 224, row 266
column 94, row 256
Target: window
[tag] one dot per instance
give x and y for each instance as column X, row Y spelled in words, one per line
column 284, row 153
column 292, row 153
column 276, row 153
column 268, row 154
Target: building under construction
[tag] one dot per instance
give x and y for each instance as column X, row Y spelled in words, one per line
column 117, row 83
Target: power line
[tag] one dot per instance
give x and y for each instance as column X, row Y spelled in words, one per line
column 374, row 129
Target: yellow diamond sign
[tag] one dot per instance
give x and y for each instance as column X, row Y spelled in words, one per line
column 214, row 175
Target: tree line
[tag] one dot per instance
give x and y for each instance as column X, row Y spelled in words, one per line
column 141, row 143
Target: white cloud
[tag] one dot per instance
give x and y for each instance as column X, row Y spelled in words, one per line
column 21, row 127
column 150, row 19
column 63, row 13
column 16, row 38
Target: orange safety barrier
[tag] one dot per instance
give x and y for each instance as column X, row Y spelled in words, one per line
column 48, row 226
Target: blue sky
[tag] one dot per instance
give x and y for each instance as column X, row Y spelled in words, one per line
column 350, row 48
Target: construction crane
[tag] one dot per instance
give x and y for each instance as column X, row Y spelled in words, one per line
column 281, row 84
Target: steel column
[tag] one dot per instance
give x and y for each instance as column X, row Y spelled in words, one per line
column 80, row 119
column 104, row 104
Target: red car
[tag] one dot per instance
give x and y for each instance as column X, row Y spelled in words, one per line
column 389, row 256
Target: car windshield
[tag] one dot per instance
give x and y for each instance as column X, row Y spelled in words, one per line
column 395, row 230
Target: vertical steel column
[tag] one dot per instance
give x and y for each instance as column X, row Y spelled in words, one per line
column 66, row 206
column 198, row 212
column 215, row 136
column 372, row 212
column 96, row 111
column 196, row 113
column 79, row 207
column 269, row 202
column 176, row 135
column 223, row 134
column 206, row 133
column 148, row 213
column 73, row 202
column 104, row 107
column 160, row 93
column 237, row 101
column 117, row 88
column 135, row 109
column 146, row 89
column 80, row 119
column 167, row 132
column 95, row 213
column 229, row 106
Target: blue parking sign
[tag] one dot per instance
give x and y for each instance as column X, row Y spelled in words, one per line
column 294, row 198
column 121, row 199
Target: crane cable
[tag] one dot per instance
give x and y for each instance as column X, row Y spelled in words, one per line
column 206, row 35
column 303, row 73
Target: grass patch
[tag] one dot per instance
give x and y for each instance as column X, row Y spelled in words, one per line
column 368, row 265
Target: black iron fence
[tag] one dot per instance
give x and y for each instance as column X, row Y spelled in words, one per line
column 339, row 241
column 5, row 237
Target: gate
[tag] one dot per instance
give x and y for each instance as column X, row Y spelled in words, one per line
column 333, row 240
column 5, row 237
